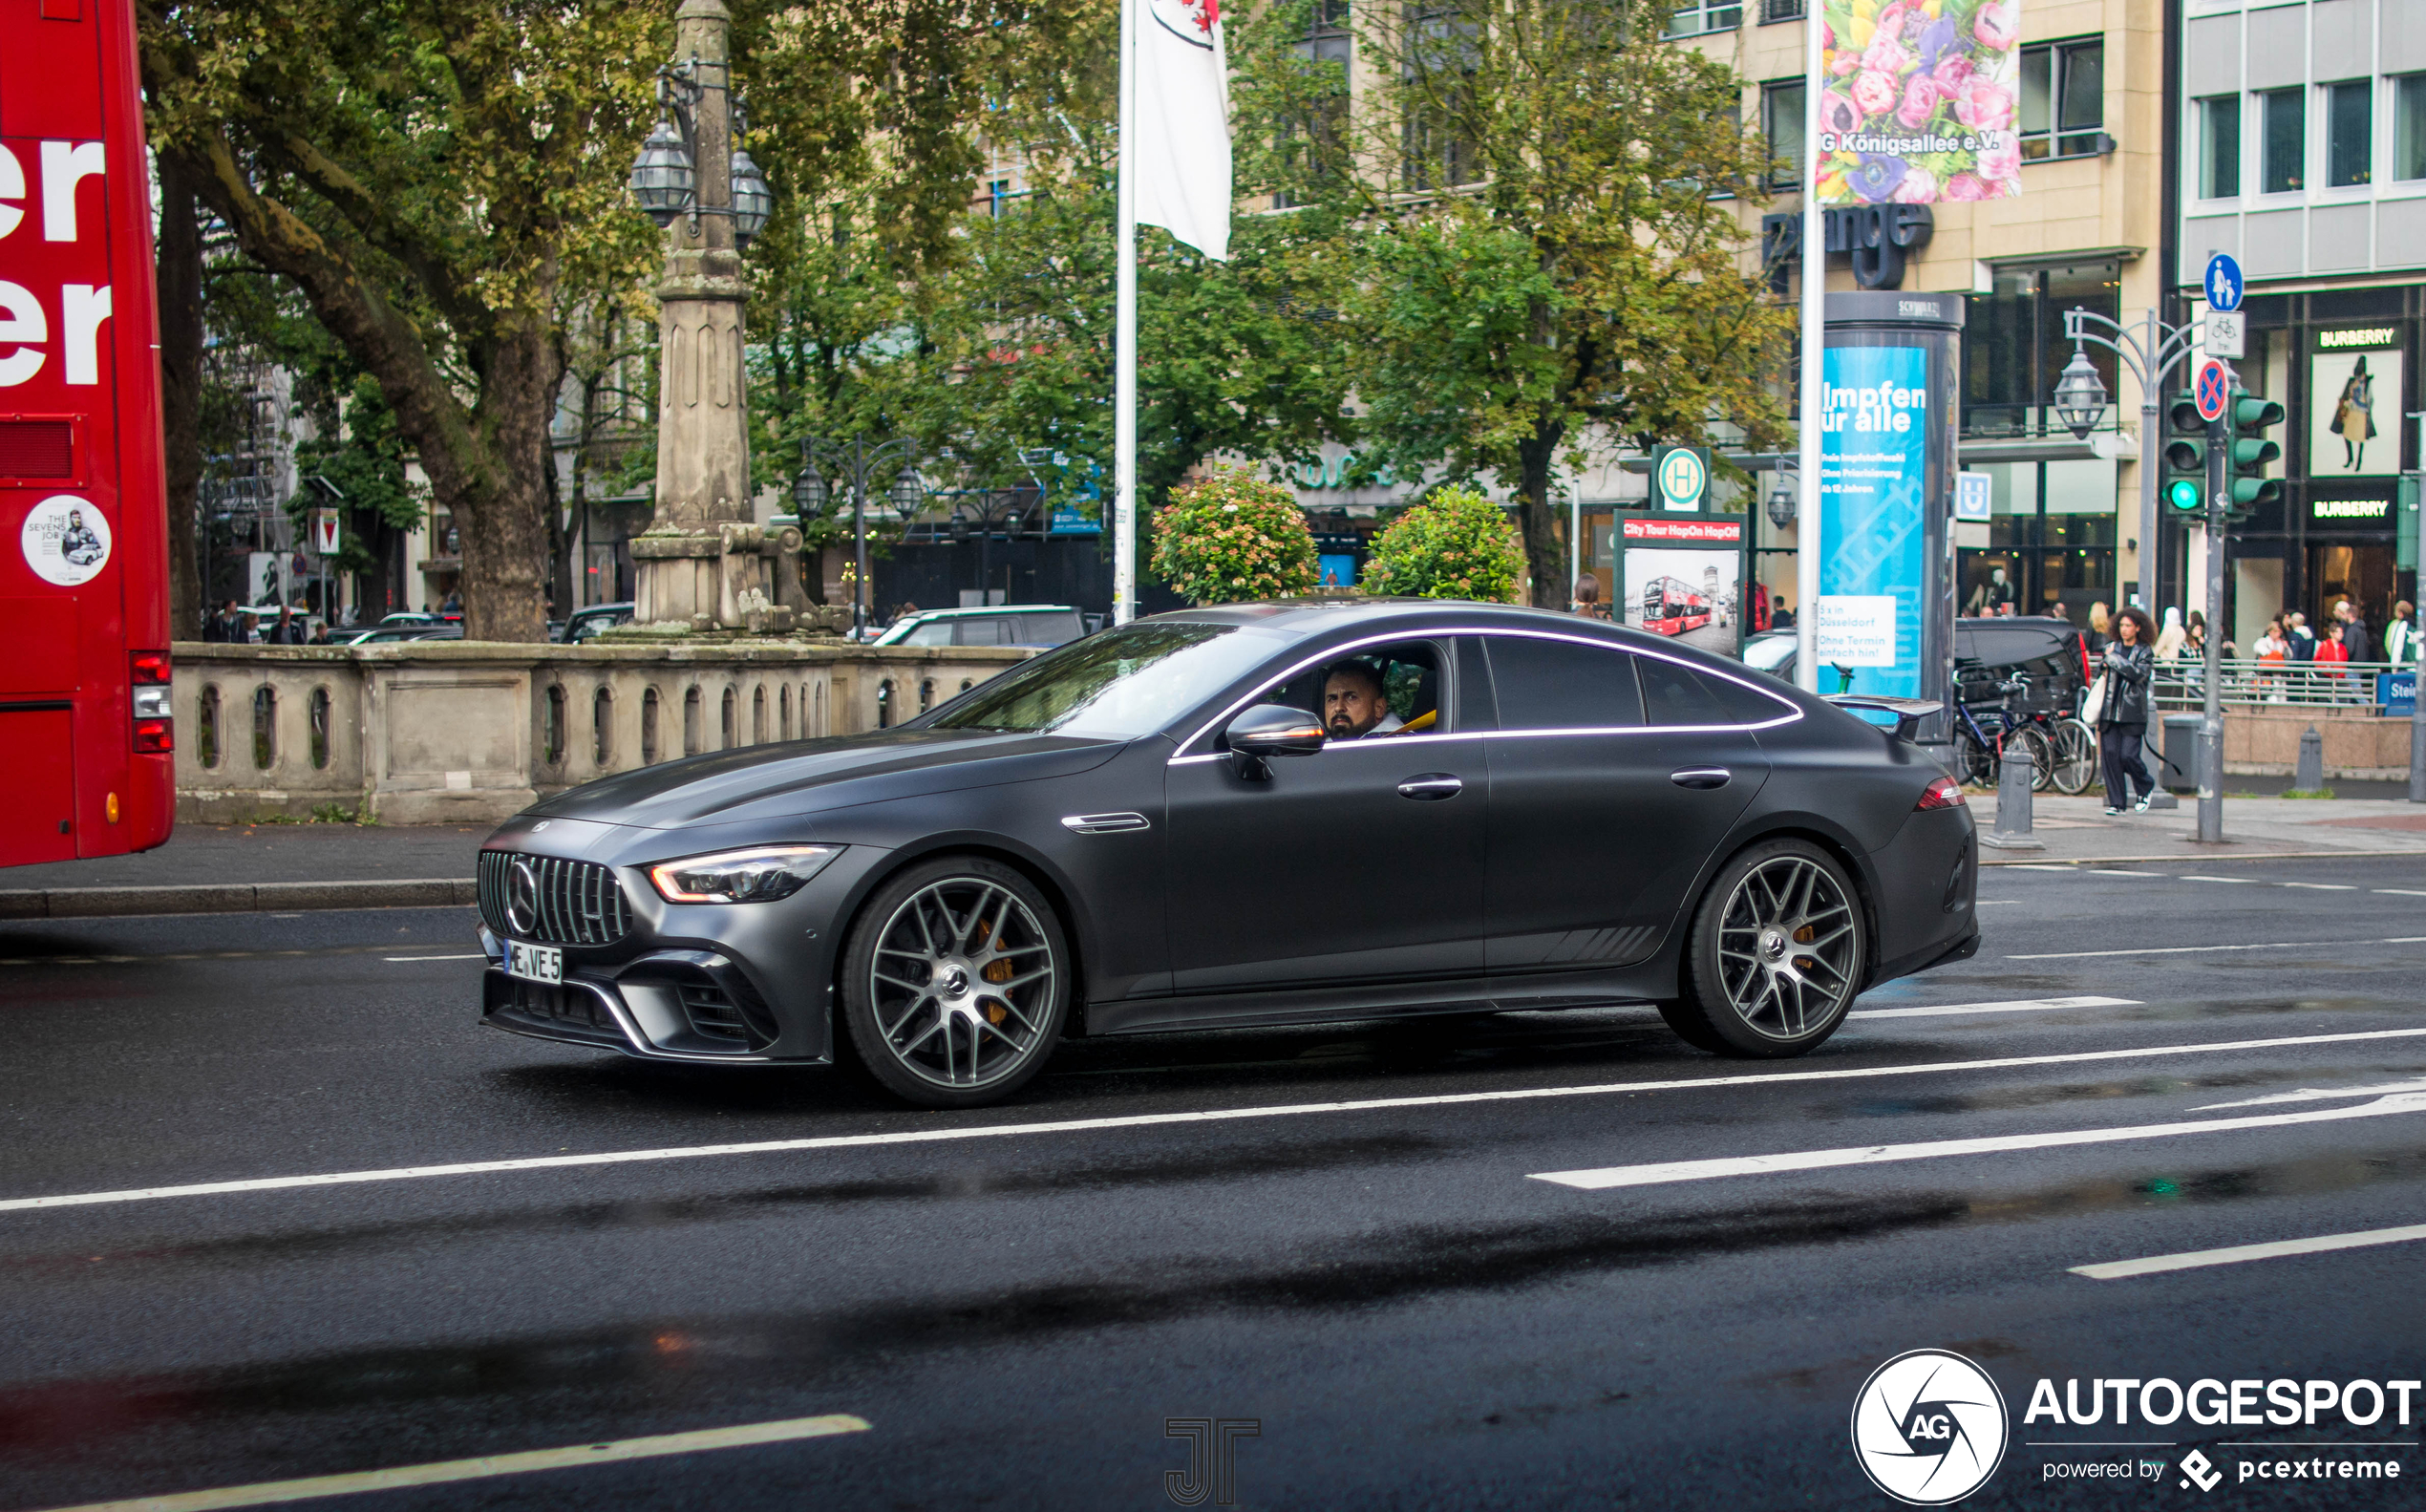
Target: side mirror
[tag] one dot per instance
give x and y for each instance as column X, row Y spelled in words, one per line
column 1272, row 730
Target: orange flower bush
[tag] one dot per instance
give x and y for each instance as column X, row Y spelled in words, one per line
column 1233, row 538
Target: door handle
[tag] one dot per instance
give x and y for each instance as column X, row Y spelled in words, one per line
column 1430, row 787
column 1701, row 776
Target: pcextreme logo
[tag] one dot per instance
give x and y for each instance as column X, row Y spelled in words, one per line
column 1928, row 1427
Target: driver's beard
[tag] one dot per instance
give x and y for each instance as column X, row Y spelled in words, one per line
column 1341, row 727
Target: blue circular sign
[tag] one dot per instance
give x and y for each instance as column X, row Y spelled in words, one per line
column 2224, row 283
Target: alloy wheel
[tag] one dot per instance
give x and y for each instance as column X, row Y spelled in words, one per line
column 961, row 982
column 1787, row 946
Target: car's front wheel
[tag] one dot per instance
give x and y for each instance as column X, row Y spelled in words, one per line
column 955, row 983
column 1776, row 952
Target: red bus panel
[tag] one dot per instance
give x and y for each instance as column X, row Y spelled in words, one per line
column 85, row 762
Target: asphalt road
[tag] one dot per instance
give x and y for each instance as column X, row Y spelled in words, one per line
column 1018, row 1310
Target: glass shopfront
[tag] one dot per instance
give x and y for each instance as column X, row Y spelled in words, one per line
column 2051, row 542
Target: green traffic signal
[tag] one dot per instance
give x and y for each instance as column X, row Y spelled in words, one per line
column 2183, row 494
column 2252, row 451
column 2185, row 454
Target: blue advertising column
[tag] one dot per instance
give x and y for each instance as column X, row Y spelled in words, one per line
column 1888, row 419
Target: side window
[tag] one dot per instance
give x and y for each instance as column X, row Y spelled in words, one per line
column 1676, row 694
column 1376, row 691
column 934, row 632
column 1562, row 685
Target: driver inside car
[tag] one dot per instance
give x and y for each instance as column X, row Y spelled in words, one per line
column 1355, row 702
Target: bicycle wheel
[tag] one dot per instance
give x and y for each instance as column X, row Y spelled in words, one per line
column 2042, row 755
column 2075, row 756
column 1975, row 763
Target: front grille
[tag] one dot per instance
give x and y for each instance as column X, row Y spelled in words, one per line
column 712, row 1013
column 570, row 901
column 562, row 1005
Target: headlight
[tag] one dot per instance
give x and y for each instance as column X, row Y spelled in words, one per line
column 742, row 876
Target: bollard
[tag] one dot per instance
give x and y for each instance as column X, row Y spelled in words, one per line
column 2013, row 775
column 2311, row 777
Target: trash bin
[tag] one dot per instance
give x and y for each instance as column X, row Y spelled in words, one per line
column 2179, row 772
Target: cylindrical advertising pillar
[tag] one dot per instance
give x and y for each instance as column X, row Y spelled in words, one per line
column 1886, row 486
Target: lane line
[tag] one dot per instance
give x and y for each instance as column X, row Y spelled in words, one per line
column 475, row 955
column 2108, row 871
column 1143, row 1120
column 2195, row 950
column 2235, row 1254
column 2322, row 886
column 2400, row 892
column 2025, row 1004
column 2236, row 882
column 267, row 1493
column 1667, row 1171
column 2316, row 1094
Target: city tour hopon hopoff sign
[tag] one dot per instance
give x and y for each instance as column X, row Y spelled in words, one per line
column 1919, row 102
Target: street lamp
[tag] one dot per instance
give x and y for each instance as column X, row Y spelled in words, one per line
column 751, row 200
column 662, row 178
column 2080, row 398
column 665, row 177
column 1785, row 497
column 854, row 465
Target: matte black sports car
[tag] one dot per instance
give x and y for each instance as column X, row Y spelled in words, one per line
column 1262, row 814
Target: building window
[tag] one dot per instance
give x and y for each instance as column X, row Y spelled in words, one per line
column 2013, row 345
column 1703, row 16
column 1781, row 122
column 998, row 198
column 1315, row 147
column 2220, row 147
column 1440, row 51
column 2063, row 98
column 1781, row 11
column 2286, row 139
column 2349, row 133
column 2409, row 127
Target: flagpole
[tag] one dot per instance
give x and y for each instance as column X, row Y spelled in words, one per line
column 1125, row 338
column 1815, row 286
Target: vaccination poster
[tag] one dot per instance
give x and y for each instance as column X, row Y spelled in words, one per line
column 1874, row 431
column 1919, row 101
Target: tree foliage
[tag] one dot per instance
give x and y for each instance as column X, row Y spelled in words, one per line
column 1532, row 259
column 1454, row 544
column 1231, row 537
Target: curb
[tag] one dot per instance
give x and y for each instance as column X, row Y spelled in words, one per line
column 107, row 903
column 2041, row 859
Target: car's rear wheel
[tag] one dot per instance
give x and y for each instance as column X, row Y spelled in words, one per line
column 955, row 983
column 1776, row 951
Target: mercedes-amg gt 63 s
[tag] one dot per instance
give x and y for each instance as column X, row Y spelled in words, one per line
column 1262, row 814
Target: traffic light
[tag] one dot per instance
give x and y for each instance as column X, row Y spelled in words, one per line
column 2185, row 474
column 2244, row 485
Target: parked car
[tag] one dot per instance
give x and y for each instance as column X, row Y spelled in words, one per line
column 392, row 634
column 2050, row 651
column 1039, row 625
column 1154, row 828
column 584, row 623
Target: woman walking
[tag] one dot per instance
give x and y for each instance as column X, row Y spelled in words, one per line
column 2123, row 722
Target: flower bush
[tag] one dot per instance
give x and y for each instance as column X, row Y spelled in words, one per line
column 1233, row 536
column 1456, row 544
column 1921, row 107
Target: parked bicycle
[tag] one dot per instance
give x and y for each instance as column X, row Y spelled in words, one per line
column 2063, row 749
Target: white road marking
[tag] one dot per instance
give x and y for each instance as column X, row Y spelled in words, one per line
column 2042, row 865
column 2108, row 871
column 486, row 1467
column 1664, row 1172
column 2195, row 950
column 2236, row 881
column 2322, row 886
column 2234, row 1254
column 476, row 956
column 2400, row 892
column 2316, row 1094
column 1143, row 1120
column 1991, row 903
column 2026, row 1005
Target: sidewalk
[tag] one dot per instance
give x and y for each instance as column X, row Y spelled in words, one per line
column 2075, row 829
column 243, row 868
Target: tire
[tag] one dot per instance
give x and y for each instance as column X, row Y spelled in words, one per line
column 956, row 983
column 2075, row 765
column 1689, row 1026
column 2042, row 755
column 1776, row 952
column 1974, row 764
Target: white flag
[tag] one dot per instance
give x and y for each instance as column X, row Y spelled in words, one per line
column 1182, row 151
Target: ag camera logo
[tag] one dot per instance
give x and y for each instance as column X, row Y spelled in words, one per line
column 1928, row 1427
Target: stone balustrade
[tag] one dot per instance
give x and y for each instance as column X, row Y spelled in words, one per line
column 435, row 732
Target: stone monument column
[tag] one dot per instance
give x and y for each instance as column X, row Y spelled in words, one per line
column 699, row 563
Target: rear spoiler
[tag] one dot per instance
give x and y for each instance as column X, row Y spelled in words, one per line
column 1908, row 712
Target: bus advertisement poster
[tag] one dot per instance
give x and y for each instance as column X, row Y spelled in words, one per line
column 1687, row 594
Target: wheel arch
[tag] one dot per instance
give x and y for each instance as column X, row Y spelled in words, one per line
column 1839, row 848
column 985, row 848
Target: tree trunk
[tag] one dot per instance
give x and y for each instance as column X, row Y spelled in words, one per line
column 505, row 533
column 1545, row 562
column 180, row 282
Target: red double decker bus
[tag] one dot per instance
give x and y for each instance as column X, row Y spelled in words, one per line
column 1672, row 608
column 86, row 767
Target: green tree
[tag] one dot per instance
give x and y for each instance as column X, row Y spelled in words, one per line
column 1454, row 544
column 1533, row 258
column 1233, row 538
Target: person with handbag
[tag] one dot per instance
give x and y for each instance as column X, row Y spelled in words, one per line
column 2122, row 712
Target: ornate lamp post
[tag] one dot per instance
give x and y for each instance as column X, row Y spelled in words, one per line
column 854, row 465
column 701, row 561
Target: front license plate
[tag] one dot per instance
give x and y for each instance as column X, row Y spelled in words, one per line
column 534, row 963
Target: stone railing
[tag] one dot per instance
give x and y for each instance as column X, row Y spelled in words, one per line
column 444, row 731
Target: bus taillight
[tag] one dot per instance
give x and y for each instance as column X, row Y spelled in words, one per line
column 155, row 732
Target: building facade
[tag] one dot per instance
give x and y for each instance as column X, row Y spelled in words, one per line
column 2303, row 124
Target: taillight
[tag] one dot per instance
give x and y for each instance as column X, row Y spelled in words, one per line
column 155, row 732
column 1943, row 793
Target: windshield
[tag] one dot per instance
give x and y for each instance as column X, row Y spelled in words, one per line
column 1119, row 685
column 1767, row 653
